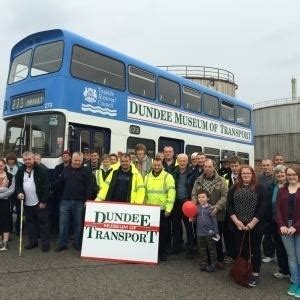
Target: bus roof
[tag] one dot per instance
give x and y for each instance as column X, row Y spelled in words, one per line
column 70, row 37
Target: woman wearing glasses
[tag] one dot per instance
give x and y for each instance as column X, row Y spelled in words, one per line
column 288, row 220
column 246, row 206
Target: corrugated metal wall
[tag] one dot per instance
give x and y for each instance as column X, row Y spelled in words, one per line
column 277, row 130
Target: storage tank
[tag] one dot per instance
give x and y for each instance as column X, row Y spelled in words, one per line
column 219, row 79
column 277, row 129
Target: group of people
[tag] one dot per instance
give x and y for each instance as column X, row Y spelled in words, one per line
column 231, row 203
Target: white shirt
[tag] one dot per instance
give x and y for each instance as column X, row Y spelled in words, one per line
column 31, row 197
column 234, row 177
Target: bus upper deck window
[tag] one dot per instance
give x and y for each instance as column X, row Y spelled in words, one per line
column 19, row 67
column 47, row 58
column 169, row 91
column 243, row 116
column 211, row 105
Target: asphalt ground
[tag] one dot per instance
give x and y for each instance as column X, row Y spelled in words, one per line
column 64, row 275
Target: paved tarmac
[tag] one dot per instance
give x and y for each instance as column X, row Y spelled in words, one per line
column 65, row 275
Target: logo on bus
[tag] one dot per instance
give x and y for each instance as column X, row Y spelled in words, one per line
column 90, row 95
column 103, row 101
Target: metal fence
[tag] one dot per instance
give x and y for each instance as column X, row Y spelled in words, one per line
column 276, row 102
column 200, row 72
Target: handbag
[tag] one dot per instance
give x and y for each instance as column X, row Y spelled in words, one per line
column 241, row 270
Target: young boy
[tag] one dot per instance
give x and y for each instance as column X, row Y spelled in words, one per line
column 207, row 233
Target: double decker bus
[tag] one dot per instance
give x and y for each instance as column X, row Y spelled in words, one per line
column 67, row 92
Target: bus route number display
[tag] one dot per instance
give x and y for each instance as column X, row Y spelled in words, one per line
column 26, row 101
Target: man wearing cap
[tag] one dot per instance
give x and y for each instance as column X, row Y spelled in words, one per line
column 225, row 168
column 86, row 156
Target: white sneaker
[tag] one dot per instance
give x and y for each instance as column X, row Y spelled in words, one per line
column 267, row 259
column 280, row 275
column 4, row 246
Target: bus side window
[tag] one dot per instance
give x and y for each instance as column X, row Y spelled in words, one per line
column 213, row 154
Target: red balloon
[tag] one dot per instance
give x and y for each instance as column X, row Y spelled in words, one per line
column 189, row 209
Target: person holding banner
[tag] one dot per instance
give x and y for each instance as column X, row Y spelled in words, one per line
column 125, row 185
column 160, row 190
column 76, row 181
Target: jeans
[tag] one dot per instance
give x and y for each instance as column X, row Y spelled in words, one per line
column 292, row 247
column 70, row 209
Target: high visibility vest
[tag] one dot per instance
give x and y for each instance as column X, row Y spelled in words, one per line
column 137, row 192
column 160, row 190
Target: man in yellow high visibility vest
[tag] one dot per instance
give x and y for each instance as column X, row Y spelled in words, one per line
column 125, row 185
column 160, row 190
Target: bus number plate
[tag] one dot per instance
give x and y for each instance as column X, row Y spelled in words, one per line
column 133, row 129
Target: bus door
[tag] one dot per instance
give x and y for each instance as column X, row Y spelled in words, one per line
column 93, row 138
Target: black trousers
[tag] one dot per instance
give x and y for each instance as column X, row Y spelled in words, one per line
column 229, row 240
column 164, row 226
column 268, row 242
column 255, row 240
column 282, row 258
column 219, row 243
column 177, row 217
column 4, row 215
column 37, row 224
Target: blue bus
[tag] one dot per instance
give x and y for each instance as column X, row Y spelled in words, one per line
column 67, row 92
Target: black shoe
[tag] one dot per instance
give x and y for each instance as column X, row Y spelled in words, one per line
column 163, row 257
column 31, row 246
column 190, row 255
column 77, row 248
column 172, row 251
column 254, row 280
column 203, row 267
column 61, row 248
column 210, row 269
column 45, row 248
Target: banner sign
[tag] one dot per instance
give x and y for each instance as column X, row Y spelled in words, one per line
column 146, row 111
column 121, row 232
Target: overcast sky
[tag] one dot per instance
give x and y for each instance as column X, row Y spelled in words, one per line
column 256, row 40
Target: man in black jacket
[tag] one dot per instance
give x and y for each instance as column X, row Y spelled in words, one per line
column 184, row 182
column 76, row 182
column 32, row 185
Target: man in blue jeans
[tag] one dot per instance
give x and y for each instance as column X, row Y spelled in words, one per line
column 76, row 182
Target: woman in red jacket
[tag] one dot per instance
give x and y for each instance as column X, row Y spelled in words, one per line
column 288, row 220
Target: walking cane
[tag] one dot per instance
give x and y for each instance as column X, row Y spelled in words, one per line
column 21, row 225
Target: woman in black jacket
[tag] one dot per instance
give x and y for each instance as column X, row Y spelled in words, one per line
column 246, row 206
column 7, row 188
